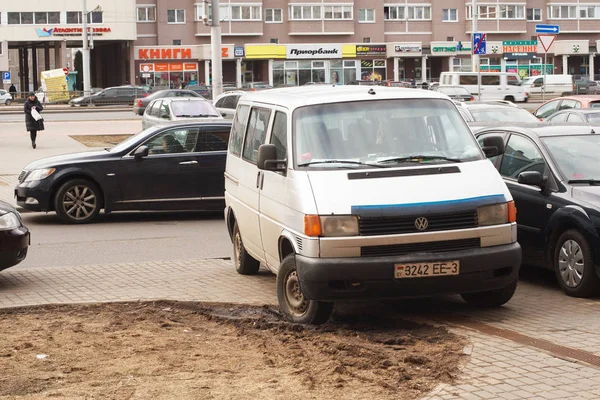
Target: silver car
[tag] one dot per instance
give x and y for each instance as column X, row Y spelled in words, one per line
column 5, row 97
column 226, row 103
column 175, row 110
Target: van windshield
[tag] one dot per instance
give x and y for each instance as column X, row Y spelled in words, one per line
column 382, row 132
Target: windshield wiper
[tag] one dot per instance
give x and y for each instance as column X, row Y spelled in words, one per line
column 592, row 182
column 340, row 162
column 419, row 158
column 197, row 115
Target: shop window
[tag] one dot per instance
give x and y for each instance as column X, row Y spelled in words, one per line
column 419, row 13
column 534, row 14
column 273, row 15
column 366, row 15
column 337, row 12
column 146, row 14
column 302, row 12
column 394, row 13
column 176, row 16
column 246, row 13
column 450, row 15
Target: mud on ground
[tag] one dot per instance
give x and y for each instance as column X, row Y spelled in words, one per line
column 99, row 140
column 173, row 350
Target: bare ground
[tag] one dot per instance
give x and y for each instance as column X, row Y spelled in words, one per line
column 99, row 140
column 172, row 350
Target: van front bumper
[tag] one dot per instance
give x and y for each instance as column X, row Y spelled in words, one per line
column 357, row 278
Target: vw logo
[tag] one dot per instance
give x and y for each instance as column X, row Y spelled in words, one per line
column 421, row 223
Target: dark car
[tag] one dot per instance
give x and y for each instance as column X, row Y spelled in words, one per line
column 203, row 90
column 552, row 173
column 139, row 105
column 119, row 95
column 14, row 237
column 175, row 167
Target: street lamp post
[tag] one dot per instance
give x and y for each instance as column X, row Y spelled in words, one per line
column 86, row 53
column 215, row 41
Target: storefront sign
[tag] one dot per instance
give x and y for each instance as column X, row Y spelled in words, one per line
column 519, row 46
column 168, row 67
column 176, row 53
column 520, row 56
column 310, row 51
column 407, row 49
column 64, row 32
column 238, row 51
column 371, row 50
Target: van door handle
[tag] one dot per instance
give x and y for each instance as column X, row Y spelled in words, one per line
column 188, row 162
column 258, row 179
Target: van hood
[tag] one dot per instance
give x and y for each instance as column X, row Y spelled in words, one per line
column 420, row 189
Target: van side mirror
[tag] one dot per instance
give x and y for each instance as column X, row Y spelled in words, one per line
column 141, row 152
column 493, row 146
column 533, row 178
column 267, row 159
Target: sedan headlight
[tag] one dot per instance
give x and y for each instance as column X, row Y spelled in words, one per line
column 497, row 214
column 332, row 226
column 39, row 174
column 9, row 221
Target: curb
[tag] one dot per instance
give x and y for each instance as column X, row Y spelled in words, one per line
column 63, row 110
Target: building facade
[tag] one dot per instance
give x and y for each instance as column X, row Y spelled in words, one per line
column 166, row 42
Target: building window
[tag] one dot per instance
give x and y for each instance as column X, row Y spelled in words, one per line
column 74, row 17
column 246, row 13
column 394, row 13
column 366, row 40
column 47, row 17
column 534, row 14
column 176, row 42
column 511, row 12
column 146, row 14
column 589, row 12
column 498, row 12
column 419, row 13
column 273, row 15
column 366, row 15
column 298, row 12
column 176, row 16
column 562, row 12
column 23, row 18
column 449, row 38
column 223, row 13
column 274, row 41
column 337, row 12
column 450, row 15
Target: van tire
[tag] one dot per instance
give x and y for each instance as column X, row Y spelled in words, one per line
column 510, row 98
column 294, row 306
column 491, row 298
column 245, row 264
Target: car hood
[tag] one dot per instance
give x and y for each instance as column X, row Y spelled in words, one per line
column 66, row 159
column 588, row 194
column 340, row 191
column 6, row 208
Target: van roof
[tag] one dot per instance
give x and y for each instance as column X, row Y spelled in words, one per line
column 322, row 94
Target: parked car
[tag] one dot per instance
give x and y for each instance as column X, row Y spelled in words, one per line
column 556, row 85
column 139, row 105
column 494, row 85
column 455, row 93
column 5, row 97
column 14, row 237
column 253, row 86
column 168, row 168
column 587, row 116
column 227, row 102
column 594, row 88
column 566, row 102
column 347, row 193
column 553, row 176
column 178, row 109
column 401, row 84
column 495, row 112
column 203, row 90
column 111, row 96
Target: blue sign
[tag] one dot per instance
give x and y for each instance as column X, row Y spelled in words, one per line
column 479, row 43
column 6, row 76
column 67, row 78
column 552, row 29
column 238, row 51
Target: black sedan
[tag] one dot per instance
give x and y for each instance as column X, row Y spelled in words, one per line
column 139, row 105
column 174, row 167
column 14, row 237
column 553, row 175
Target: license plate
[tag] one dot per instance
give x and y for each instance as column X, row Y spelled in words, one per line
column 426, row 269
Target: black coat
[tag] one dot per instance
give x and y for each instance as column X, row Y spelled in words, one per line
column 32, row 124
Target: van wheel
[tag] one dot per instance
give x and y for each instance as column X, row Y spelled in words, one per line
column 574, row 265
column 510, row 98
column 491, row 298
column 245, row 264
column 292, row 302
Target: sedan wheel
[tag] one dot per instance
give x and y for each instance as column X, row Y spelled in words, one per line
column 571, row 264
column 574, row 265
column 8, row 102
column 77, row 201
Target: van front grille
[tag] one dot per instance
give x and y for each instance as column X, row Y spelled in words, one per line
column 427, row 247
column 369, row 226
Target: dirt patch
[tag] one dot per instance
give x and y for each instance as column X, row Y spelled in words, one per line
column 100, row 140
column 171, row 350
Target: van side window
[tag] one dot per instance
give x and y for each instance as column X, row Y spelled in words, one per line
column 238, row 128
column 279, row 135
column 493, row 80
column 512, row 80
column 467, row 80
column 256, row 132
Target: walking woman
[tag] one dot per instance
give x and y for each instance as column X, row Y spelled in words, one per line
column 33, row 126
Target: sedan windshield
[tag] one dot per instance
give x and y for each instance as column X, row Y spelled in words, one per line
column 382, row 132
column 194, row 108
column 504, row 114
column 576, row 156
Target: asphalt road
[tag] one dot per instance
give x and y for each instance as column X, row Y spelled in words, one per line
column 75, row 115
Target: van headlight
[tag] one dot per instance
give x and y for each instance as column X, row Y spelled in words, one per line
column 9, row 221
column 39, row 174
column 497, row 214
column 331, row 225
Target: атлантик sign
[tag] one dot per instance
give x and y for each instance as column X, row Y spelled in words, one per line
column 64, row 32
column 313, row 51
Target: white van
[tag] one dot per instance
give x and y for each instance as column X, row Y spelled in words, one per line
column 556, row 85
column 358, row 192
column 494, row 85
